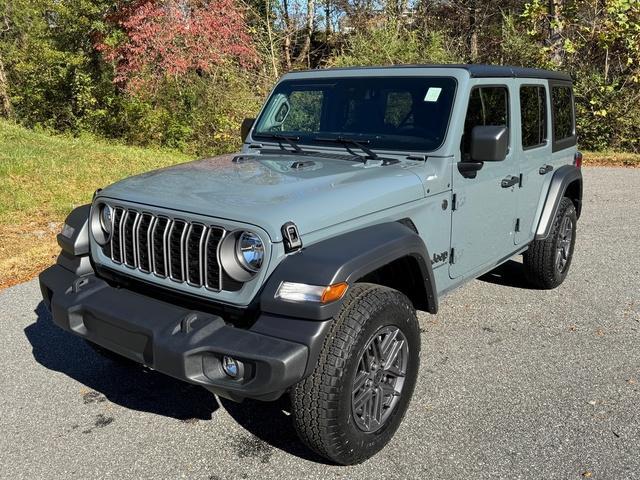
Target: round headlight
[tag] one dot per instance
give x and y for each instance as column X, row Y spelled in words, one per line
column 250, row 251
column 106, row 219
column 101, row 222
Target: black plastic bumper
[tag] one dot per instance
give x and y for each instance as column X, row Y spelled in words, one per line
column 276, row 351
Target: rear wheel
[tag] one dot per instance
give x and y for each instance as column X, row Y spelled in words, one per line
column 547, row 261
column 351, row 405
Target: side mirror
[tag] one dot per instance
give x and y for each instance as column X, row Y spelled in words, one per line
column 489, row 143
column 245, row 127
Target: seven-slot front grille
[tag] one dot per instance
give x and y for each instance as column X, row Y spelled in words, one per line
column 167, row 247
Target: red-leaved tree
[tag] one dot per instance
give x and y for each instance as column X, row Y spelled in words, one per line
column 169, row 38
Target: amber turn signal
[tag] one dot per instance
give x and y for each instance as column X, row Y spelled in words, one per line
column 334, row 292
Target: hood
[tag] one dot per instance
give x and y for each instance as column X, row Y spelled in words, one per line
column 266, row 191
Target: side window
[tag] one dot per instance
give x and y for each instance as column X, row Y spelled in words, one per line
column 563, row 121
column 533, row 115
column 487, row 106
column 304, row 112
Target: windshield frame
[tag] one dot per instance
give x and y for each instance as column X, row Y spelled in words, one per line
column 260, row 137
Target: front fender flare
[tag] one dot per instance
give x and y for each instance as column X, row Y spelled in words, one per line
column 346, row 258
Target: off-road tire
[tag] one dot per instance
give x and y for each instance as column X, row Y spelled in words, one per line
column 322, row 402
column 540, row 260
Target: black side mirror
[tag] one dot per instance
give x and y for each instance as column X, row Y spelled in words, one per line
column 489, row 143
column 245, row 127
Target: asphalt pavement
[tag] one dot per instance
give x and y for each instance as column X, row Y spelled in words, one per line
column 514, row 383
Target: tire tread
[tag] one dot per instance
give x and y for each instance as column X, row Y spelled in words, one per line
column 315, row 399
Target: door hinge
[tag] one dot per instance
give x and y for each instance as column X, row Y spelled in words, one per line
column 454, row 205
column 452, row 258
column 520, row 181
column 517, row 229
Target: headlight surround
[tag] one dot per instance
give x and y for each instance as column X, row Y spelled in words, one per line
column 250, row 251
column 106, row 218
column 242, row 255
column 101, row 222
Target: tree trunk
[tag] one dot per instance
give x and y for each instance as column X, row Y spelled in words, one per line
column 6, row 109
column 327, row 17
column 308, row 32
column 555, row 30
column 272, row 52
column 473, row 31
column 287, row 34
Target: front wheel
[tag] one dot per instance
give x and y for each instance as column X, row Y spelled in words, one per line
column 351, row 405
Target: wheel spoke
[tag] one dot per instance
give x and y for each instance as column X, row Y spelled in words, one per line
column 388, row 344
column 388, row 390
column 378, row 404
column 559, row 258
column 568, row 229
column 367, row 360
column 377, row 351
column 394, row 371
column 393, row 354
column 363, row 400
column 361, row 378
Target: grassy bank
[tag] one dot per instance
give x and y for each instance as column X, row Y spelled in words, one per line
column 43, row 177
column 612, row 159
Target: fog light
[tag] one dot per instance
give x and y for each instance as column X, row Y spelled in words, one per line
column 231, row 367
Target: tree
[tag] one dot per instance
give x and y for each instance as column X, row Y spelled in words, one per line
column 6, row 110
column 168, row 38
column 308, row 32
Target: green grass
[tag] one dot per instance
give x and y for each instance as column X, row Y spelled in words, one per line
column 43, row 177
column 46, row 174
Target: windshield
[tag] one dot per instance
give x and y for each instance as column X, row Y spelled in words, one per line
column 390, row 113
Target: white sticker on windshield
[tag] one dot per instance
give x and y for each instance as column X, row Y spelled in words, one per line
column 432, row 94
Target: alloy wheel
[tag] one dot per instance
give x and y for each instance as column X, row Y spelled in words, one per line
column 563, row 249
column 379, row 379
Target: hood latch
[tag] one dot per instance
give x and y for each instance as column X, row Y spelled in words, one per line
column 291, row 237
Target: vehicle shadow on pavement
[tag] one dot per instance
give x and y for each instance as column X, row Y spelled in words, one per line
column 130, row 386
column 509, row 274
column 137, row 388
column 272, row 423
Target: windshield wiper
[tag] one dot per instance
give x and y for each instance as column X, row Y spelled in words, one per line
column 350, row 141
column 284, row 138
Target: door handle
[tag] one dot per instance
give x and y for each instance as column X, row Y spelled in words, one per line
column 510, row 181
column 545, row 169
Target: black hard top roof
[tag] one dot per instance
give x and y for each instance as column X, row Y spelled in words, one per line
column 481, row 71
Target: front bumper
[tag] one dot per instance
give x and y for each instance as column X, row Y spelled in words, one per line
column 186, row 344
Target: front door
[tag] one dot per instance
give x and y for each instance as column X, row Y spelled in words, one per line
column 484, row 215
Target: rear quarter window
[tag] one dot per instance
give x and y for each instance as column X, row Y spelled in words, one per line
column 563, row 117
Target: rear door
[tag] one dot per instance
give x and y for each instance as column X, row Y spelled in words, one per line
column 533, row 149
column 484, row 212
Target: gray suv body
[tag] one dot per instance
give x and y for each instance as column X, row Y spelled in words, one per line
column 297, row 265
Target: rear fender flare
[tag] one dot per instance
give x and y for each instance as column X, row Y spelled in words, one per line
column 561, row 180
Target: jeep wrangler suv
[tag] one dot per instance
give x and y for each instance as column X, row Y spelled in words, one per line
column 297, row 265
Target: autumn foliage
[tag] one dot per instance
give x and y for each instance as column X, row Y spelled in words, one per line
column 170, row 38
